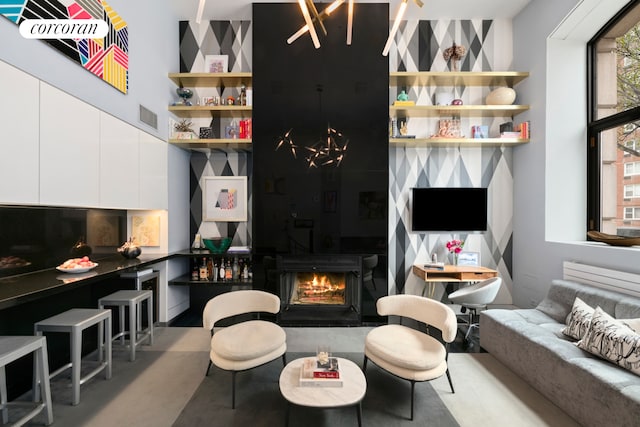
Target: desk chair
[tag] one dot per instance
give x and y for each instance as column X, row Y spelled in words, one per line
column 476, row 297
column 369, row 263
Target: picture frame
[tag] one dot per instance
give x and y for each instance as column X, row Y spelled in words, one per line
column 224, row 198
column 469, row 258
column 216, row 63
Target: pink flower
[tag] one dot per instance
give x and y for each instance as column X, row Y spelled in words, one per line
column 455, row 246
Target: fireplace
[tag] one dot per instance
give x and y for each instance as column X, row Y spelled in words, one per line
column 320, row 290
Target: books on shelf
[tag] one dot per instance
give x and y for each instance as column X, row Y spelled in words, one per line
column 436, row 265
column 313, row 374
column 521, row 130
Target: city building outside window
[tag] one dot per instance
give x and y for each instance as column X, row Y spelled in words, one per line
column 613, row 164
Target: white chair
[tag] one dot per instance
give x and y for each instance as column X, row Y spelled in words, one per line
column 247, row 344
column 476, row 297
column 406, row 352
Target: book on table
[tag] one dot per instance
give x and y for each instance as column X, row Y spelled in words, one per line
column 315, row 374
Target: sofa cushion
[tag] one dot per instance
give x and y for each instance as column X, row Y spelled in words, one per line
column 612, row 340
column 578, row 320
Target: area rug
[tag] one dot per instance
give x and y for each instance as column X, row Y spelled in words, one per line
column 259, row 402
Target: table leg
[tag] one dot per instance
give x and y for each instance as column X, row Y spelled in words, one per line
column 286, row 416
column 359, row 409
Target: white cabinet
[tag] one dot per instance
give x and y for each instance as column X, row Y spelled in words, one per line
column 119, row 161
column 154, row 183
column 69, row 150
column 19, row 142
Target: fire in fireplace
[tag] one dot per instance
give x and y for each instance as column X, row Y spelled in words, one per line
column 314, row 288
column 320, row 289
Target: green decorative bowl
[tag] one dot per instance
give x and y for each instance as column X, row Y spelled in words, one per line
column 217, row 245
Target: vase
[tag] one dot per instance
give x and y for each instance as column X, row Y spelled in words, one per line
column 455, row 259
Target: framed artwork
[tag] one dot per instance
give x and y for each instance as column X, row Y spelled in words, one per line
column 145, row 230
column 216, row 63
column 469, row 258
column 224, row 198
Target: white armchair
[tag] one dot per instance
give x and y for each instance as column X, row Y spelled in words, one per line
column 406, row 352
column 247, row 344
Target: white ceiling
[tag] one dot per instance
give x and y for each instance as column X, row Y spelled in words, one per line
column 432, row 9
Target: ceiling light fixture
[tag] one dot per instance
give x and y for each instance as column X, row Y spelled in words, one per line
column 307, row 17
column 320, row 17
column 350, row 23
column 200, row 10
column 396, row 23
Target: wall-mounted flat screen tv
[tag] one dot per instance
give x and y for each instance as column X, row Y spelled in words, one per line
column 449, row 209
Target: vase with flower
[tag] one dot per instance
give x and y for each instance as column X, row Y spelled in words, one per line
column 455, row 247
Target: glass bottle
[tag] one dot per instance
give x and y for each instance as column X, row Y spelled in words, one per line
column 203, row 269
column 235, row 268
column 243, row 95
column 195, row 271
column 222, row 273
column 228, row 272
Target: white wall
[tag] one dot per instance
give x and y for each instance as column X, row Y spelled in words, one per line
column 549, row 173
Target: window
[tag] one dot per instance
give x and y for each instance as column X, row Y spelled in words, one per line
column 631, row 191
column 613, row 127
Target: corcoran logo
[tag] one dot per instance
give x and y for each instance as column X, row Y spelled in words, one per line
column 63, row 29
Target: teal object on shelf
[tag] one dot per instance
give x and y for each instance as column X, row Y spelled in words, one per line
column 217, row 245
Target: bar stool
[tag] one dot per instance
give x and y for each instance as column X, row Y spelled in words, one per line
column 73, row 322
column 133, row 300
column 13, row 348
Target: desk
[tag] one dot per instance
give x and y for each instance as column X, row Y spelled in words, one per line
column 451, row 273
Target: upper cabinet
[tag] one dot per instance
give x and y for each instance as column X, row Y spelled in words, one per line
column 19, row 147
column 225, row 119
column 473, row 113
column 69, row 150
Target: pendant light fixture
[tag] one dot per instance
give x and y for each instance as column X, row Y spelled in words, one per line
column 319, row 19
column 200, row 11
column 396, row 23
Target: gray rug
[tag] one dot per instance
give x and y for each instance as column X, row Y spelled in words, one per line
column 259, row 402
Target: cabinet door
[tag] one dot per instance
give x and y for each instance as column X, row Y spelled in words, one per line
column 69, row 150
column 19, row 121
column 153, row 172
column 119, row 158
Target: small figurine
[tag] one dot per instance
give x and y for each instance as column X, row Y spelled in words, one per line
column 402, row 96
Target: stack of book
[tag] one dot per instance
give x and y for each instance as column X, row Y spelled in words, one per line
column 316, row 374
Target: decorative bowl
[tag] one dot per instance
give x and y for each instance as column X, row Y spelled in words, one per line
column 217, row 245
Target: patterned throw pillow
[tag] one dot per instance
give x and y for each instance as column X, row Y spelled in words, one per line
column 612, row 340
column 578, row 320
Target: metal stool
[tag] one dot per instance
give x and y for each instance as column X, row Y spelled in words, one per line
column 75, row 321
column 13, row 348
column 133, row 300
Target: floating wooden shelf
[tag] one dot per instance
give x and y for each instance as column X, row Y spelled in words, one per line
column 222, row 143
column 451, row 142
column 211, row 79
column 458, row 110
column 456, row 78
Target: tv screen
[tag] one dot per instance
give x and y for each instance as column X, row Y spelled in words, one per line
column 449, row 209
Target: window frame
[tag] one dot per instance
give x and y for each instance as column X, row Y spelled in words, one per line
column 595, row 127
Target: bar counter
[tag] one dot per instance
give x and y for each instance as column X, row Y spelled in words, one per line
column 28, row 287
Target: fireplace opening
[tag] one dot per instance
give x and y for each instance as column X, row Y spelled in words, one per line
column 320, row 289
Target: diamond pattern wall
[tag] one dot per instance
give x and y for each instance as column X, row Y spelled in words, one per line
column 418, row 47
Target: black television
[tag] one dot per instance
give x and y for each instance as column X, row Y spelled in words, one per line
column 449, row 209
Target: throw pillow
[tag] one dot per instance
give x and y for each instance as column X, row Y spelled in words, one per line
column 578, row 320
column 632, row 323
column 612, row 340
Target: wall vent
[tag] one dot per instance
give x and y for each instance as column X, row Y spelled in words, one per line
column 148, row 117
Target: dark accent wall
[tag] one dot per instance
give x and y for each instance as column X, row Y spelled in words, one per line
column 298, row 209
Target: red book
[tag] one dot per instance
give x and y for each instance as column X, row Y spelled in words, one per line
column 326, row 374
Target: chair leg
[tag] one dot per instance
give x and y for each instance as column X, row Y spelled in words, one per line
column 233, row 389
column 413, row 387
column 284, row 359
column 208, row 368
column 450, row 382
column 373, row 282
column 364, row 364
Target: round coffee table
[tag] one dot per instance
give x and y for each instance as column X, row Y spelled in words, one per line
column 354, row 386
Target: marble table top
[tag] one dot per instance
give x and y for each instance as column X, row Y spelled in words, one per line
column 352, row 391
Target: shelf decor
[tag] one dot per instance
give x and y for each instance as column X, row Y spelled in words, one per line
column 224, row 198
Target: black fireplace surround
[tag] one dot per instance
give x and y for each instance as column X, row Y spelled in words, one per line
column 300, row 209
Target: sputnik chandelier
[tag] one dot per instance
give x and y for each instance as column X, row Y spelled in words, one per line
column 312, row 17
column 327, row 152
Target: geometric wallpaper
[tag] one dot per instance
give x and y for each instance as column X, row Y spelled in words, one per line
column 418, row 46
column 107, row 58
